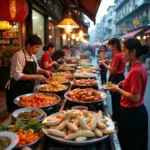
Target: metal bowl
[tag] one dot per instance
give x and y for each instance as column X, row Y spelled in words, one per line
column 29, row 109
column 103, row 97
column 28, row 145
column 17, row 99
column 42, row 85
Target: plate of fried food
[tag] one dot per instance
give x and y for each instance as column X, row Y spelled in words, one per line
column 53, row 87
column 85, row 82
column 85, row 75
column 75, row 127
column 63, row 74
column 39, row 100
column 59, row 79
column 87, row 95
column 66, row 68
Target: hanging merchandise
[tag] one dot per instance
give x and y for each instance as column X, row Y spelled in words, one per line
column 13, row 10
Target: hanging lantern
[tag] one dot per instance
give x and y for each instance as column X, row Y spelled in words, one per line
column 13, row 10
column 68, row 24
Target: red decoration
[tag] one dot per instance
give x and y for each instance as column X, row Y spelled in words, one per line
column 18, row 8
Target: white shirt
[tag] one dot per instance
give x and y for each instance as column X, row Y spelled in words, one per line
column 18, row 64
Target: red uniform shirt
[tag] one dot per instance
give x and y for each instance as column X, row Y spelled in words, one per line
column 135, row 82
column 46, row 58
column 118, row 63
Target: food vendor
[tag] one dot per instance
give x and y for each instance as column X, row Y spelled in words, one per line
column 23, row 73
column 46, row 61
column 104, row 54
column 60, row 55
column 133, row 125
column 117, row 69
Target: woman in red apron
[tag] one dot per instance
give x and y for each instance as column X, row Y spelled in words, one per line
column 23, row 72
column 116, row 69
column 46, row 61
column 133, row 125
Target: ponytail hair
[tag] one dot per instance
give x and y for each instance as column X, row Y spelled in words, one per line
column 134, row 44
column 115, row 42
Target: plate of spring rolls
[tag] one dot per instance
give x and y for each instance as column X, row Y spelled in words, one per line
column 78, row 127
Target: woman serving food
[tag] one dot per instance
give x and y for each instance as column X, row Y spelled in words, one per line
column 133, row 125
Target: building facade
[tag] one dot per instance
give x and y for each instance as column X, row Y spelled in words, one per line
column 131, row 14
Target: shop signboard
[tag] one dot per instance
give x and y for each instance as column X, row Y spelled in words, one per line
column 136, row 21
column 124, row 28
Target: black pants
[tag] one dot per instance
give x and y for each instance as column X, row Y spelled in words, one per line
column 103, row 73
column 116, row 97
column 133, row 128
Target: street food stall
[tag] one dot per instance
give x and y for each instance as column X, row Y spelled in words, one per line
column 68, row 112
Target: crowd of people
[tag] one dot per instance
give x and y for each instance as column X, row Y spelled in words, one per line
column 127, row 93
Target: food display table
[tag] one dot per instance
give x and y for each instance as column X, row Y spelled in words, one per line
column 45, row 143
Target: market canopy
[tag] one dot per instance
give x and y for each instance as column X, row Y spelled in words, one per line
column 88, row 7
column 147, row 32
column 131, row 34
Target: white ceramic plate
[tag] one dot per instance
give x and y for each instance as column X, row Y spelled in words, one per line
column 110, row 125
column 12, row 137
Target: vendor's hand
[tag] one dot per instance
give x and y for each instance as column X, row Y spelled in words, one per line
column 47, row 73
column 40, row 78
column 55, row 63
column 114, row 88
column 102, row 63
column 60, row 60
column 120, row 83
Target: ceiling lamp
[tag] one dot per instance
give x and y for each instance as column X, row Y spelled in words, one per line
column 138, row 37
column 64, row 36
column 82, row 34
column 73, row 36
column 4, row 25
column 68, row 24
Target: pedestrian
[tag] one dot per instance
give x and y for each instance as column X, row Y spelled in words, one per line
column 23, row 73
column 104, row 55
column 117, row 69
column 46, row 61
column 133, row 125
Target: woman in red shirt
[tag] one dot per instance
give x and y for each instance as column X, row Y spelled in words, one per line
column 133, row 125
column 117, row 69
column 46, row 61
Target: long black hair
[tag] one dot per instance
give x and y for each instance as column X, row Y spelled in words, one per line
column 46, row 47
column 134, row 44
column 104, row 47
column 115, row 42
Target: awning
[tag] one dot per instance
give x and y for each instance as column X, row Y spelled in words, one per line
column 131, row 34
column 147, row 32
column 88, row 7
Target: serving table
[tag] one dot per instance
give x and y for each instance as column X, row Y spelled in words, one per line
column 45, row 143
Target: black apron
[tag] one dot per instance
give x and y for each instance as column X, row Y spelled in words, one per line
column 116, row 97
column 20, row 87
